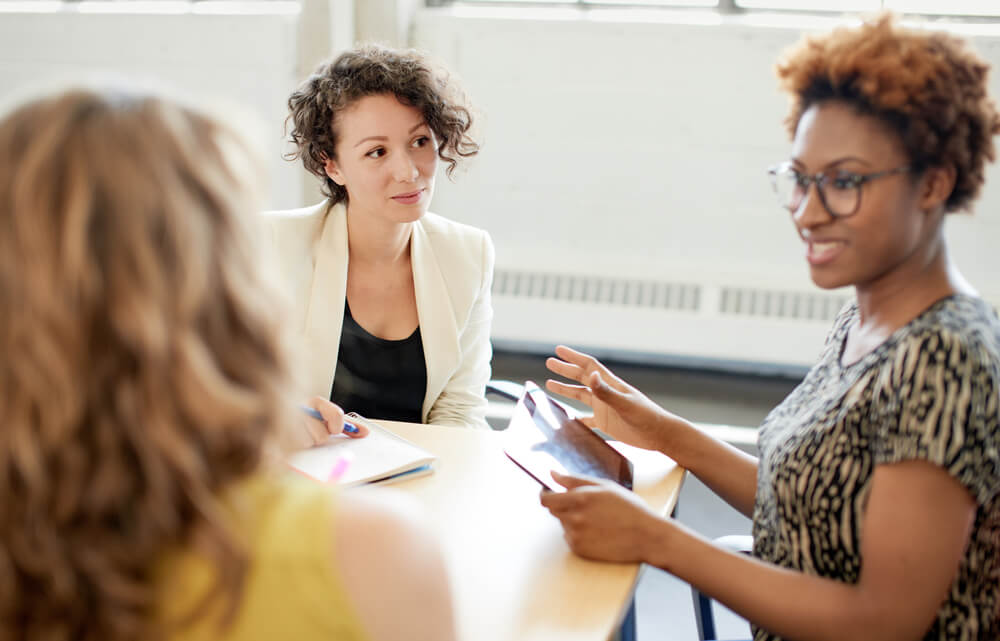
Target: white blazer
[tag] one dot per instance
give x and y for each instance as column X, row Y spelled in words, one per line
column 452, row 276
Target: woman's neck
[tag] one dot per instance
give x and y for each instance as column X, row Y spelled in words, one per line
column 896, row 298
column 374, row 240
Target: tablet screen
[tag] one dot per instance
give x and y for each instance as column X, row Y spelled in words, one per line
column 542, row 437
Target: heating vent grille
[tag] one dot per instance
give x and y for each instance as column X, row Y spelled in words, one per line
column 781, row 304
column 597, row 289
column 676, row 296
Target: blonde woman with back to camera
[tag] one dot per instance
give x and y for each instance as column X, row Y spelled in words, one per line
column 143, row 388
column 392, row 301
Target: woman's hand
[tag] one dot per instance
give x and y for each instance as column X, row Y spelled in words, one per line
column 620, row 410
column 602, row 520
column 317, row 432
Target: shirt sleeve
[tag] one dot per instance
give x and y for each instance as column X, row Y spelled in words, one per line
column 940, row 405
column 463, row 400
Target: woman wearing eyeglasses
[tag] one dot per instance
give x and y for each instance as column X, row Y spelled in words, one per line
column 875, row 498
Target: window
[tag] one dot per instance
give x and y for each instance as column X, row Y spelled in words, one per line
column 976, row 8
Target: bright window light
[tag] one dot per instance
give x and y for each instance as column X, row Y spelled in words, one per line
column 172, row 7
column 29, row 6
column 662, row 3
column 812, row 5
column 247, row 7
column 953, row 7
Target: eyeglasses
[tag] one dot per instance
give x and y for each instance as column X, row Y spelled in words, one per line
column 839, row 191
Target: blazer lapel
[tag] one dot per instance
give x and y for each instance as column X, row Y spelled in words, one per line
column 438, row 329
column 325, row 317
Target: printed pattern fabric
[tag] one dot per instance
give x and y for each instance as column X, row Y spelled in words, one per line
column 930, row 392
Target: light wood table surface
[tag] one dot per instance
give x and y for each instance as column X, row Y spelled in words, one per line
column 512, row 575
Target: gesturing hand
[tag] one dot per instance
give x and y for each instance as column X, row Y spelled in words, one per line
column 620, row 410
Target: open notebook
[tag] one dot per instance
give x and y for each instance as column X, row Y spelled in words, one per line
column 380, row 457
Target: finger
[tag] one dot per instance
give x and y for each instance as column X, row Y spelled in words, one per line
column 571, row 482
column 604, row 392
column 562, row 368
column 316, row 429
column 556, row 502
column 586, row 363
column 332, row 414
column 614, row 380
column 577, row 392
column 575, row 357
column 354, row 429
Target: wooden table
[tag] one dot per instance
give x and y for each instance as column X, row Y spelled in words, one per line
column 512, row 574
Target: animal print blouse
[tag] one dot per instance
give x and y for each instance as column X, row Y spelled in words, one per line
column 930, row 392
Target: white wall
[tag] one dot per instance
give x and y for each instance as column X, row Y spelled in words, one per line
column 249, row 55
column 638, row 149
column 627, row 148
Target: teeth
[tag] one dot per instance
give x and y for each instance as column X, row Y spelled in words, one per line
column 822, row 247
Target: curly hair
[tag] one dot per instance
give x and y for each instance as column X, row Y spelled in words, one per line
column 373, row 70
column 927, row 86
column 143, row 371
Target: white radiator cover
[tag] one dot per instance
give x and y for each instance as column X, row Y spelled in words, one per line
column 700, row 324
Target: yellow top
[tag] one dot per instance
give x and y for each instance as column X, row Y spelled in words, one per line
column 291, row 591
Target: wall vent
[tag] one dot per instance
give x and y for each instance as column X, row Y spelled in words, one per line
column 597, row 289
column 732, row 327
column 742, row 301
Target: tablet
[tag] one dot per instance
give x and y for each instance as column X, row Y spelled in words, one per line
column 542, row 437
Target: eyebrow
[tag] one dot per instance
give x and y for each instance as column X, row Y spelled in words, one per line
column 380, row 138
column 836, row 162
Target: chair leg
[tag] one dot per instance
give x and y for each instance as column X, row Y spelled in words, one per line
column 627, row 631
column 703, row 618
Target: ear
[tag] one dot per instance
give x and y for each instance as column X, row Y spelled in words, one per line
column 333, row 171
column 936, row 185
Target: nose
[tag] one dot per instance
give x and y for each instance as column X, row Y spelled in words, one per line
column 811, row 211
column 405, row 169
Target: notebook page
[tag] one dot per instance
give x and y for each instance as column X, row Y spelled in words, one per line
column 378, row 455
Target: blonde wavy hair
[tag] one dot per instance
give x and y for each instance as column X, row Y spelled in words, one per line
column 142, row 370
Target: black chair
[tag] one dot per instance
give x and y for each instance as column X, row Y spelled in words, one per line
column 511, row 391
column 504, row 389
column 703, row 617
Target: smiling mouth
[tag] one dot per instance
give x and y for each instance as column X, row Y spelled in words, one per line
column 410, row 196
column 821, row 252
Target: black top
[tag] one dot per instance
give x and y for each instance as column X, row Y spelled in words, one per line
column 379, row 378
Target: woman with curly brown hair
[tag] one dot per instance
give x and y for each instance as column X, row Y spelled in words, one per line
column 393, row 301
column 143, row 385
column 876, row 498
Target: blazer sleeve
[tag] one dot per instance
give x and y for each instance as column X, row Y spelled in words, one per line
column 462, row 402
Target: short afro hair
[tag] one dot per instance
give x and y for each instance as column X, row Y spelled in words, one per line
column 928, row 86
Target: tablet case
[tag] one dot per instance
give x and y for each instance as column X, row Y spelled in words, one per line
column 542, row 437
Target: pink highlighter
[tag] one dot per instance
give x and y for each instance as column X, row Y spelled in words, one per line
column 340, row 467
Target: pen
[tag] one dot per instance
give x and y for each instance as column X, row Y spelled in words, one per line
column 348, row 427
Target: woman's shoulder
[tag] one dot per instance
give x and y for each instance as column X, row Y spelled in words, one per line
column 457, row 244
column 301, row 221
column 451, row 231
column 298, row 214
column 286, row 525
column 960, row 324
